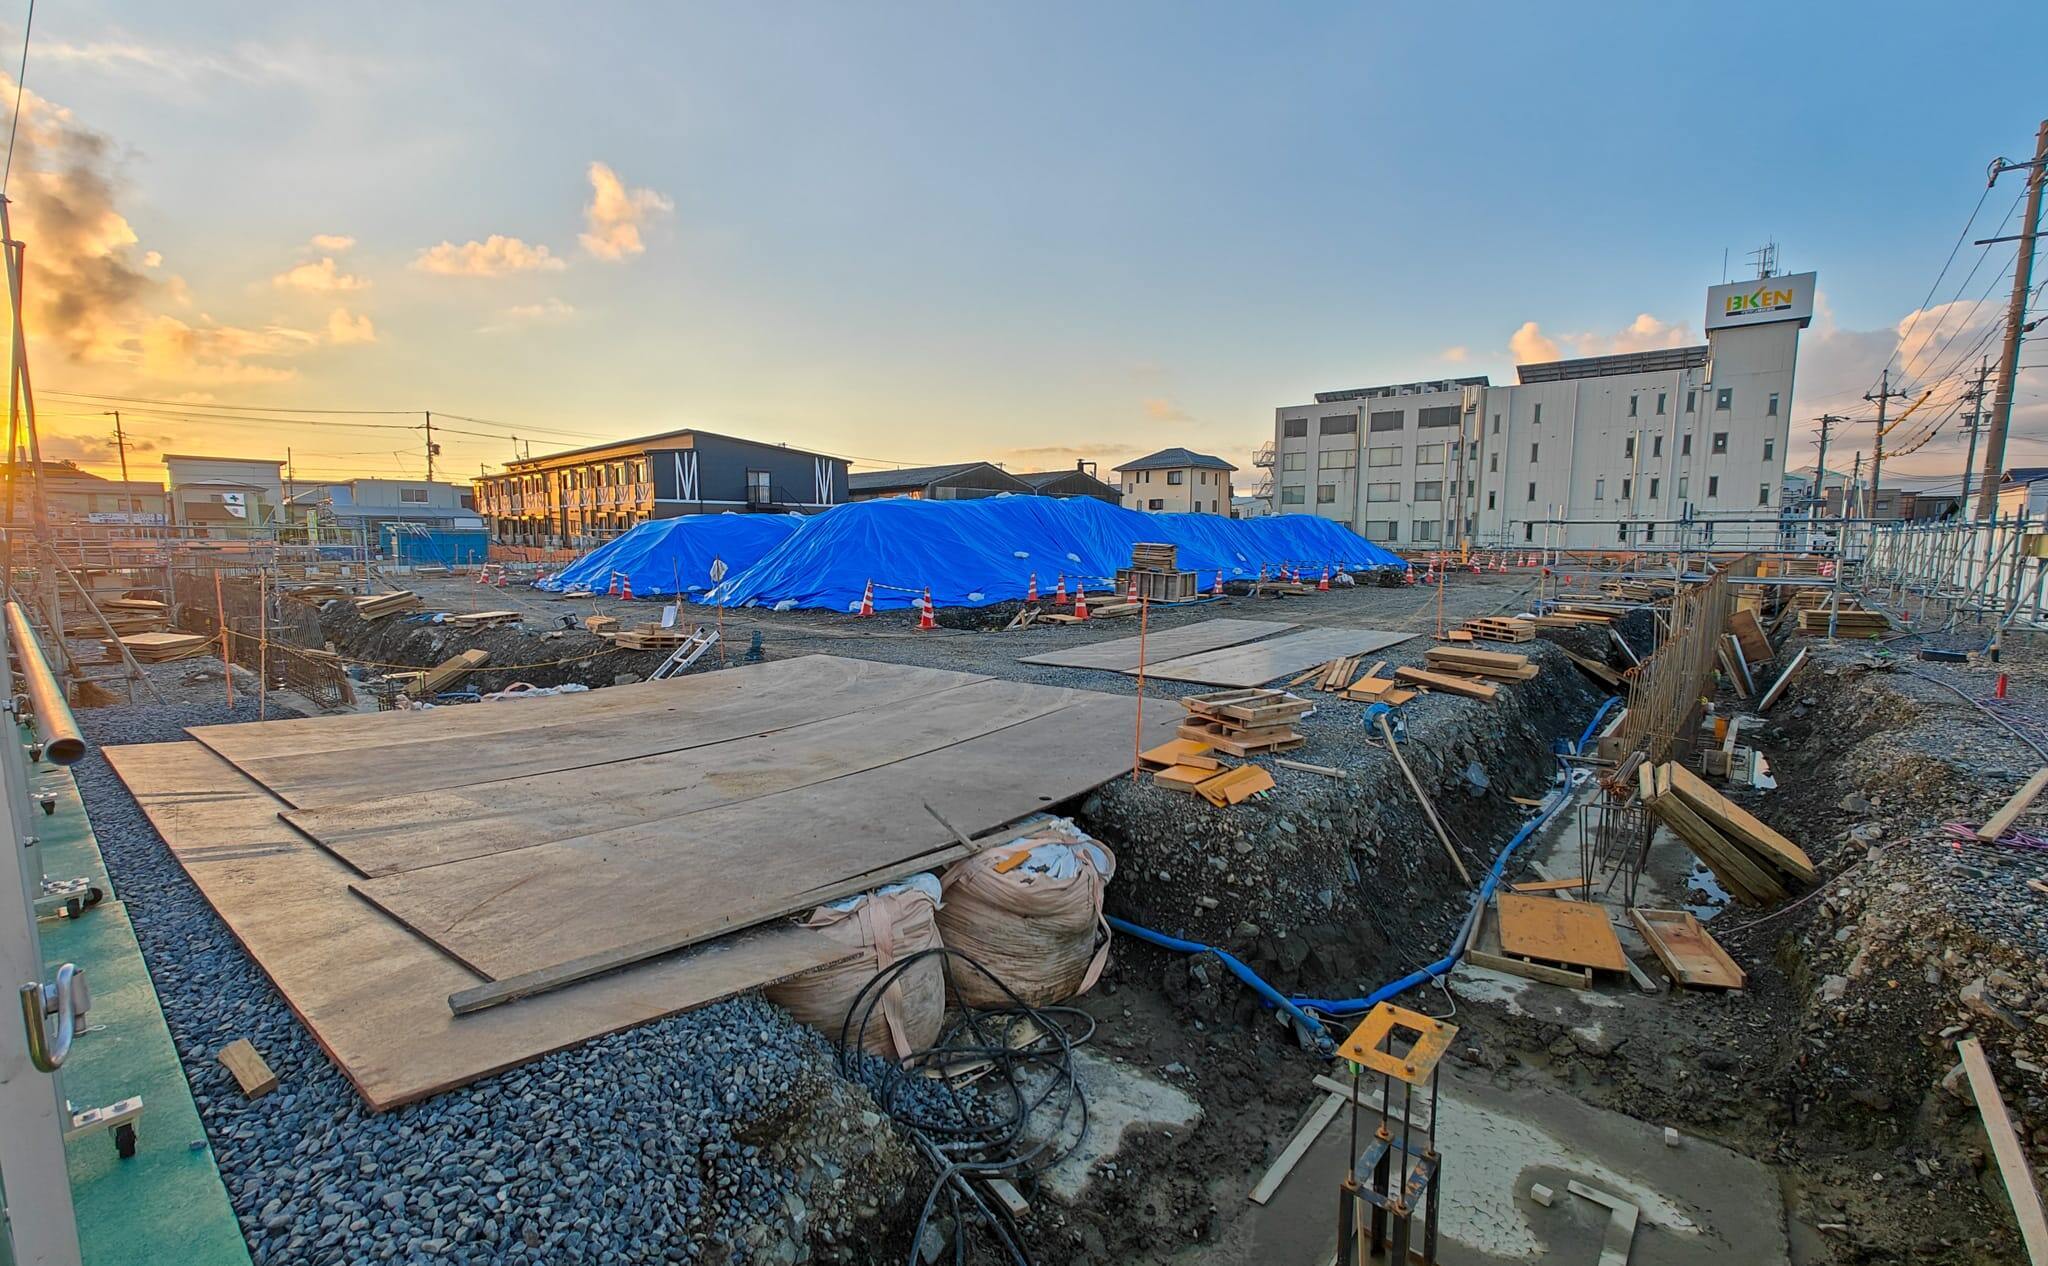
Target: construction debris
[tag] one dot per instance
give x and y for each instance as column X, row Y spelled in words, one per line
column 2002, row 821
column 377, row 606
column 240, row 1058
column 156, row 648
column 1242, row 722
column 1690, row 956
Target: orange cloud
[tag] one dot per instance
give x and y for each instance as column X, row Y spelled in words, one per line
column 615, row 214
column 335, row 242
column 1161, row 409
column 1455, row 355
column 495, row 256
column 1529, row 345
column 220, row 354
column 345, row 327
column 321, row 277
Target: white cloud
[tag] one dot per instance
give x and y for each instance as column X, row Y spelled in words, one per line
column 171, row 349
column 615, row 214
column 547, row 312
column 334, row 242
column 495, row 256
column 1530, row 345
column 345, row 327
column 152, row 259
column 321, row 277
column 1457, row 355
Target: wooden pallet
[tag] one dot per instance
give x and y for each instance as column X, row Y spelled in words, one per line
column 1501, row 629
column 1155, row 556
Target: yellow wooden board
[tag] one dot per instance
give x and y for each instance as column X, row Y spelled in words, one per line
column 1553, row 931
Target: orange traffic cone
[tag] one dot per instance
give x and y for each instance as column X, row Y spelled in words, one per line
column 1081, row 602
column 1216, row 590
column 924, row 612
column 613, row 591
column 1059, row 595
column 1131, row 590
column 626, row 588
column 1323, row 585
column 867, row 602
column 1031, row 591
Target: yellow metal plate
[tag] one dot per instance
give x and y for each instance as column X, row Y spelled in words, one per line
column 1430, row 1039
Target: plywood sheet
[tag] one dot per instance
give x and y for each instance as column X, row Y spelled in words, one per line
column 374, row 995
column 1121, row 654
column 1261, row 662
column 1691, row 956
column 702, row 874
column 382, row 837
column 1553, row 931
column 394, row 753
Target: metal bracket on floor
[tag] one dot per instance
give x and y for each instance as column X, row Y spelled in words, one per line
column 1621, row 1226
column 67, row 898
column 120, row 1117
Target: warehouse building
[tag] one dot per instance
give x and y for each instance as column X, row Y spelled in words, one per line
column 1595, row 451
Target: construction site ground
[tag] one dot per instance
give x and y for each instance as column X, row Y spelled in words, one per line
column 1818, row 1117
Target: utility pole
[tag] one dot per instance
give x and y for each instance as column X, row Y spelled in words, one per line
column 1855, row 482
column 1977, row 416
column 1884, row 396
column 120, row 445
column 1820, row 470
column 433, row 449
column 2015, row 319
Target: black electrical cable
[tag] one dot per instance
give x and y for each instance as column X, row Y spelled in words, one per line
column 989, row 1132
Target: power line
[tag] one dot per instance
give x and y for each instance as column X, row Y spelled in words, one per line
column 1936, row 284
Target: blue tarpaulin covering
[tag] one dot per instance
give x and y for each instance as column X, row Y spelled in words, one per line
column 972, row 553
column 661, row 556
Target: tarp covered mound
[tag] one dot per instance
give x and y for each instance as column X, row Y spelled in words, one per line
column 662, row 556
column 973, row 553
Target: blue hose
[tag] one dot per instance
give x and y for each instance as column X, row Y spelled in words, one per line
column 1298, row 1007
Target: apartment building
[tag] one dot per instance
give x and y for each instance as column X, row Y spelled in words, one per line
column 1177, row 481
column 1577, row 453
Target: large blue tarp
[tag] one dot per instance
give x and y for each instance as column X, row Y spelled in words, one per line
column 973, row 553
column 662, row 556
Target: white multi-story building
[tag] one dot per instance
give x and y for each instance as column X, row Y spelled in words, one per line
column 1576, row 453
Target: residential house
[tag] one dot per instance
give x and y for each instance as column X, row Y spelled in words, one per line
column 1177, row 481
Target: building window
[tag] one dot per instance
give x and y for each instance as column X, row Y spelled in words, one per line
column 417, row 496
column 757, row 488
column 1294, row 461
column 1599, row 490
column 1685, row 445
column 1654, row 484
column 1383, row 456
column 1429, row 490
column 1382, row 492
column 1345, row 424
column 1720, row 441
column 1391, row 420
column 1382, row 530
column 1724, row 398
column 1661, row 397
column 1326, row 494
column 1537, row 415
column 1426, row 529
column 1489, row 498
column 1437, row 415
column 1681, row 487
column 1771, row 410
column 1770, row 446
column 1429, row 454
column 1337, row 459
column 1632, row 406
column 1533, row 449
column 1713, row 486
column 1496, row 424
column 1692, row 399
column 1290, row 495
column 1294, row 428
column 1493, row 463
column 1656, row 446
column 1763, row 494
column 1628, row 487
column 1176, row 477
column 1628, row 446
column 1532, row 492
column 1528, row 531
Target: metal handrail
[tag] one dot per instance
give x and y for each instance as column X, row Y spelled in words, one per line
column 67, row 998
column 56, row 728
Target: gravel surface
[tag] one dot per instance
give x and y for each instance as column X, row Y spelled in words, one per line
column 720, row 1135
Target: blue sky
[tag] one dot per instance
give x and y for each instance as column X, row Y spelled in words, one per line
column 931, row 232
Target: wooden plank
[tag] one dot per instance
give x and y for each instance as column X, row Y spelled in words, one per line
column 383, row 1018
column 2013, row 1167
column 447, row 672
column 240, row 1058
column 1454, row 656
column 1183, row 777
column 1465, row 686
column 1743, row 877
column 2002, row 821
column 1311, row 1129
column 1170, row 753
column 1689, row 954
column 398, row 833
column 1548, row 885
column 1573, row 932
column 1756, row 648
column 1777, row 689
column 1121, row 654
column 1740, row 825
column 656, row 887
column 493, row 742
column 1273, row 658
column 1482, row 949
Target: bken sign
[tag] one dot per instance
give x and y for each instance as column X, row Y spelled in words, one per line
column 1761, row 302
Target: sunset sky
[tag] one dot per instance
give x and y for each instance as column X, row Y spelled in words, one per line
column 912, row 233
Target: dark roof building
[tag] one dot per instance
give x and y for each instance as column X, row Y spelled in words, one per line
column 957, row 481
column 1177, row 459
column 1078, row 482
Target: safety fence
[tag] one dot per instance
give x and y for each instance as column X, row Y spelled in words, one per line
column 1992, row 571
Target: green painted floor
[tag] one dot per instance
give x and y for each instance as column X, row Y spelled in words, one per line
column 166, row 1203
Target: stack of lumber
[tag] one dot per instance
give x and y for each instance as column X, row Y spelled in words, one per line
column 601, row 623
column 1637, row 590
column 1447, row 683
column 1185, row 765
column 1373, row 688
column 1155, row 556
column 155, row 648
column 318, row 590
column 482, row 619
column 1495, row 628
column 1814, row 622
column 135, row 615
column 378, row 605
column 652, row 637
column 1464, row 661
column 1241, row 722
column 1572, row 617
column 1336, row 674
column 446, row 673
column 1753, row 862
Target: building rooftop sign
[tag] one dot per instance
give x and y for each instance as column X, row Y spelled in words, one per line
column 1761, row 302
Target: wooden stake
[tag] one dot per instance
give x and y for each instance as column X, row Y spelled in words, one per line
column 2005, row 1145
column 1138, row 738
column 262, row 644
column 227, row 663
